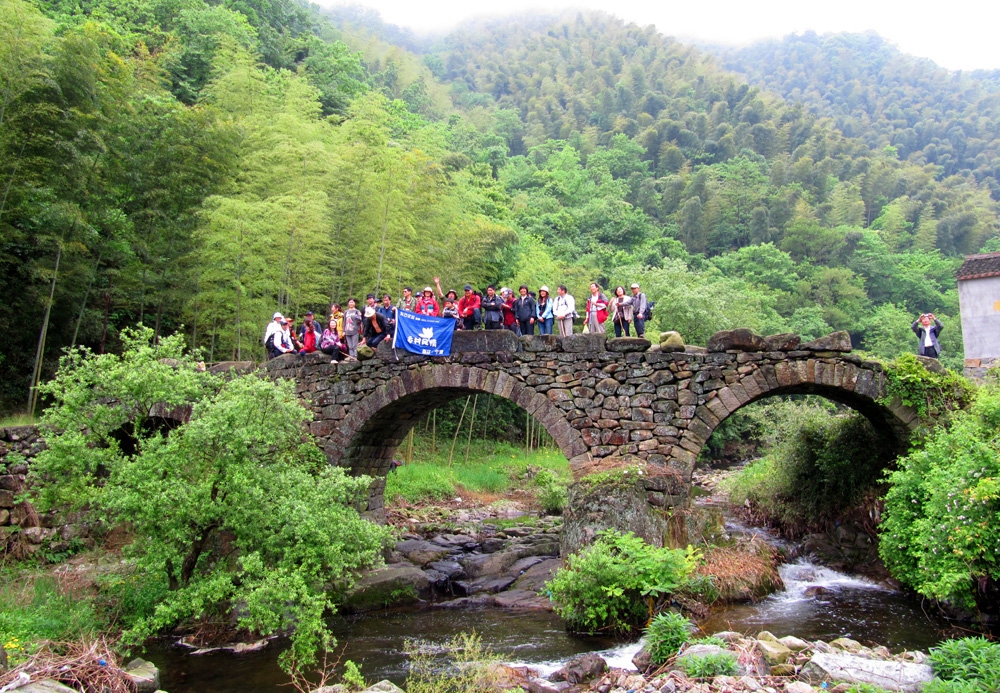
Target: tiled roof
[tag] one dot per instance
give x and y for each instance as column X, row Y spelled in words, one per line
column 979, row 266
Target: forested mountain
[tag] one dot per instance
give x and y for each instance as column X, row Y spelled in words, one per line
column 193, row 164
column 885, row 97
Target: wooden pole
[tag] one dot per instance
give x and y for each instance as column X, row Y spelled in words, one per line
column 458, row 429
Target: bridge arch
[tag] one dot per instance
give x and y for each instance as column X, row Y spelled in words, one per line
column 364, row 442
column 841, row 381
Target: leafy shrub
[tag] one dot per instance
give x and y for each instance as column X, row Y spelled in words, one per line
column 939, row 686
column 929, row 394
column 718, row 664
column 939, row 534
column 820, row 465
column 966, row 661
column 461, row 665
column 614, row 583
column 551, row 492
column 665, row 634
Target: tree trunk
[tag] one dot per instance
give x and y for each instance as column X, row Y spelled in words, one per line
column 36, row 374
column 107, row 311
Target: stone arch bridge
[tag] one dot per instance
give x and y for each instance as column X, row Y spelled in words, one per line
column 604, row 402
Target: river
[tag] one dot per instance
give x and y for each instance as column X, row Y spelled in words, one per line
column 817, row 603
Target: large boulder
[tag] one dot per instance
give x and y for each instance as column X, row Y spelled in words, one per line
column 907, row 677
column 580, row 669
column 735, row 340
column 384, row 686
column 365, row 353
column 397, row 583
column 613, row 500
column 671, row 341
column 45, row 686
column 489, row 341
column 623, row 345
column 835, row 341
column 699, row 652
column 143, row 675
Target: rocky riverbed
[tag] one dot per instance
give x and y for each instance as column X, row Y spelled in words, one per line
column 473, row 558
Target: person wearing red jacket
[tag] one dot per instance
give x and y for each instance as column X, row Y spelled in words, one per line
column 469, row 308
column 509, row 321
column 426, row 305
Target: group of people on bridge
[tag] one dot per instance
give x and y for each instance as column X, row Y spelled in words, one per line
column 521, row 312
column 348, row 328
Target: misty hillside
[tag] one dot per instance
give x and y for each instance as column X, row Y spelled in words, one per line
column 885, row 97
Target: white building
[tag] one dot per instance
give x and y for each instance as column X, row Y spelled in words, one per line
column 979, row 297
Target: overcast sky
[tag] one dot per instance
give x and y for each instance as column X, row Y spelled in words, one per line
column 957, row 34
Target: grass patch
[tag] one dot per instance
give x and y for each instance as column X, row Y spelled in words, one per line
column 34, row 608
column 493, row 467
column 17, row 420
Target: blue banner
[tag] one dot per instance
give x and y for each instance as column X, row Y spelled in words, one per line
column 422, row 334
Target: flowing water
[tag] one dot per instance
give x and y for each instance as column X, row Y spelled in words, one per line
column 817, row 603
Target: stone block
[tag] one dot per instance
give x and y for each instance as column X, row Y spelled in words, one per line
column 774, row 652
column 907, row 677
column 607, row 387
column 540, row 343
column 735, row 340
column 836, row 341
column 583, row 343
column 624, row 345
column 486, row 341
column 786, row 341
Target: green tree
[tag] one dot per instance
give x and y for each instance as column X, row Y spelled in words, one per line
column 240, row 468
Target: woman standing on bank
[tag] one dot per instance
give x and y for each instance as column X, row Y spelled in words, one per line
column 352, row 327
column 543, row 311
column 622, row 306
column 597, row 309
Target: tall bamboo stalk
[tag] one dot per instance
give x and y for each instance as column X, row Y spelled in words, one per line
column 434, row 420
column 36, row 374
column 409, row 448
column 472, row 422
column 458, row 429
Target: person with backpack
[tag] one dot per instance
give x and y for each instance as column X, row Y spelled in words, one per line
column 642, row 310
column 309, row 334
column 622, row 307
column 352, row 327
column 525, row 311
column 331, row 344
column 597, row 310
column 470, row 308
column 277, row 320
column 492, row 307
column 564, row 310
column 543, row 311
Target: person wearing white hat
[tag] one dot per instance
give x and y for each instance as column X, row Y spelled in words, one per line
column 640, row 306
column 426, row 305
column 543, row 311
column 376, row 327
column 272, row 327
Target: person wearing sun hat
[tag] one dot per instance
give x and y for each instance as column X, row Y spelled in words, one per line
column 543, row 311
column 277, row 320
column 426, row 305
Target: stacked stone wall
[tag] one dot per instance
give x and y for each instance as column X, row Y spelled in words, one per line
column 604, row 404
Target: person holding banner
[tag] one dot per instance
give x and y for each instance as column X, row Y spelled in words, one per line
column 424, row 334
column 426, row 305
column 376, row 327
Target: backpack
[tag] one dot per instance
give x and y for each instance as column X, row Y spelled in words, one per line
column 648, row 314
